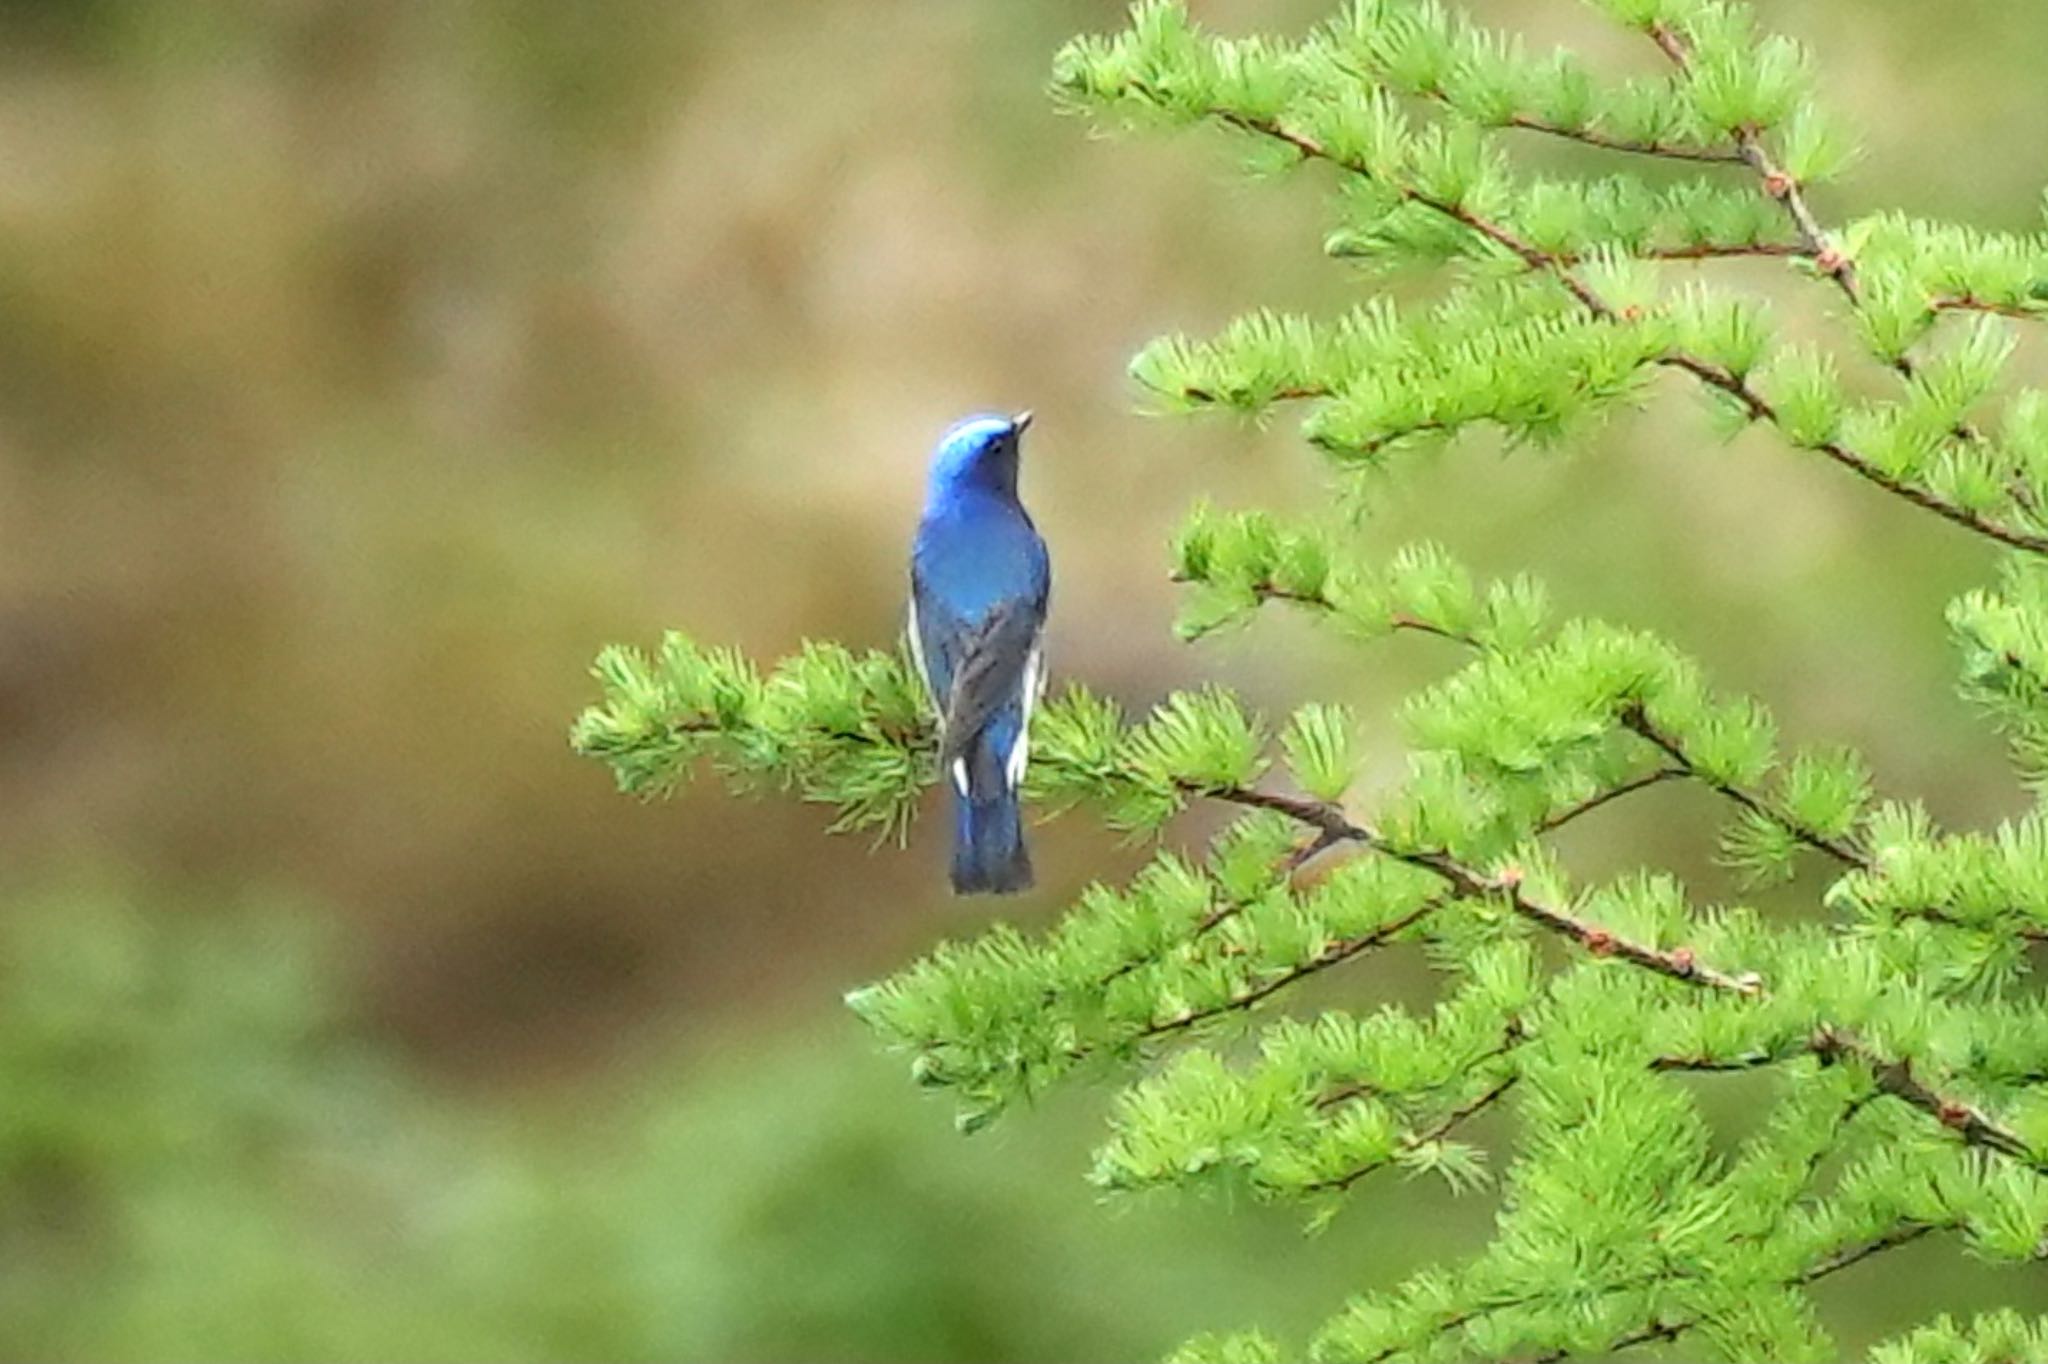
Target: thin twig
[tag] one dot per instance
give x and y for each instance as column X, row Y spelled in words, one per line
column 1470, row 883
column 1514, row 1037
column 1340, row 951
column 1670, row 151
column 1844, row 850
column 1599, row 798
column 1707, row 251
column 1195, row 393
column 1327, row 835
column 1401, row 620
column 1760, row 409
column 1532, row 256
column 1903, row 1234
column 2025, row 932
column 1416, row 1140
column 1815, row 241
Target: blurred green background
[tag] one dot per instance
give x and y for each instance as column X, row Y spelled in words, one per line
column 366, row 364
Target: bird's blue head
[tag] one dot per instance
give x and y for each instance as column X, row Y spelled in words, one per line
column 980, row 452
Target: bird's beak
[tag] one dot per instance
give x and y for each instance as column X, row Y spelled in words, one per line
column 1020, row 421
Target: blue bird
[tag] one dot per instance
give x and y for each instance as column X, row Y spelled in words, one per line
column 979, row 585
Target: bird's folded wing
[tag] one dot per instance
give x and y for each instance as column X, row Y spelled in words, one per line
column 994, row 660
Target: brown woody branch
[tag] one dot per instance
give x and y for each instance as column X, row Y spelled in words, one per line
column 1759, row 408
column 1896, row 1078
column 1903, row 1234
column 1967, row 303
column 1196, row 393
column 2025, row 932
column 1470, row 883
column 1725, row 250
column 1590, row 137
column 1530, row 255
column 1705, row 251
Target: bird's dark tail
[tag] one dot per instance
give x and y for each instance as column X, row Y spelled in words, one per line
column 989, row 856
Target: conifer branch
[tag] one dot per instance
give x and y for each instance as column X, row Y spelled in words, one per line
column 1214, row 919
column 1331, row 955
column 1777, row 184
column 1331, row 829
column 1833, row 1263
column 1292, row 393
column 1895, row 1077
column 1843, row 850
column 1560, row 317
column 1966, row 303
column 1761, row 409
column 1469, row 882
column 1668, row 151
column 1815, row 242
column 2025, row 932
column 1415, row 1141
column 1709, row 251
column 1680, row 963
column 1591, row 137
column 1402, row 620
column 1748, row 399
column 1515, row 1037
column 1265, row 590
column 1817, row 1156
column 1903, row 1234
column 1534, row 257
column 1551, row 823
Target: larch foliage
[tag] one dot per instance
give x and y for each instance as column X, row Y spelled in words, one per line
column 1898, row 1026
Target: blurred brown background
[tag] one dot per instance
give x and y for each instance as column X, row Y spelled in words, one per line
column 364, row 366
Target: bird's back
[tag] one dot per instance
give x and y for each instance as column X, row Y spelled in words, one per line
column 975, row 552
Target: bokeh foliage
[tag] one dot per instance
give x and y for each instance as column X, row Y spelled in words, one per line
column 202, row 1158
